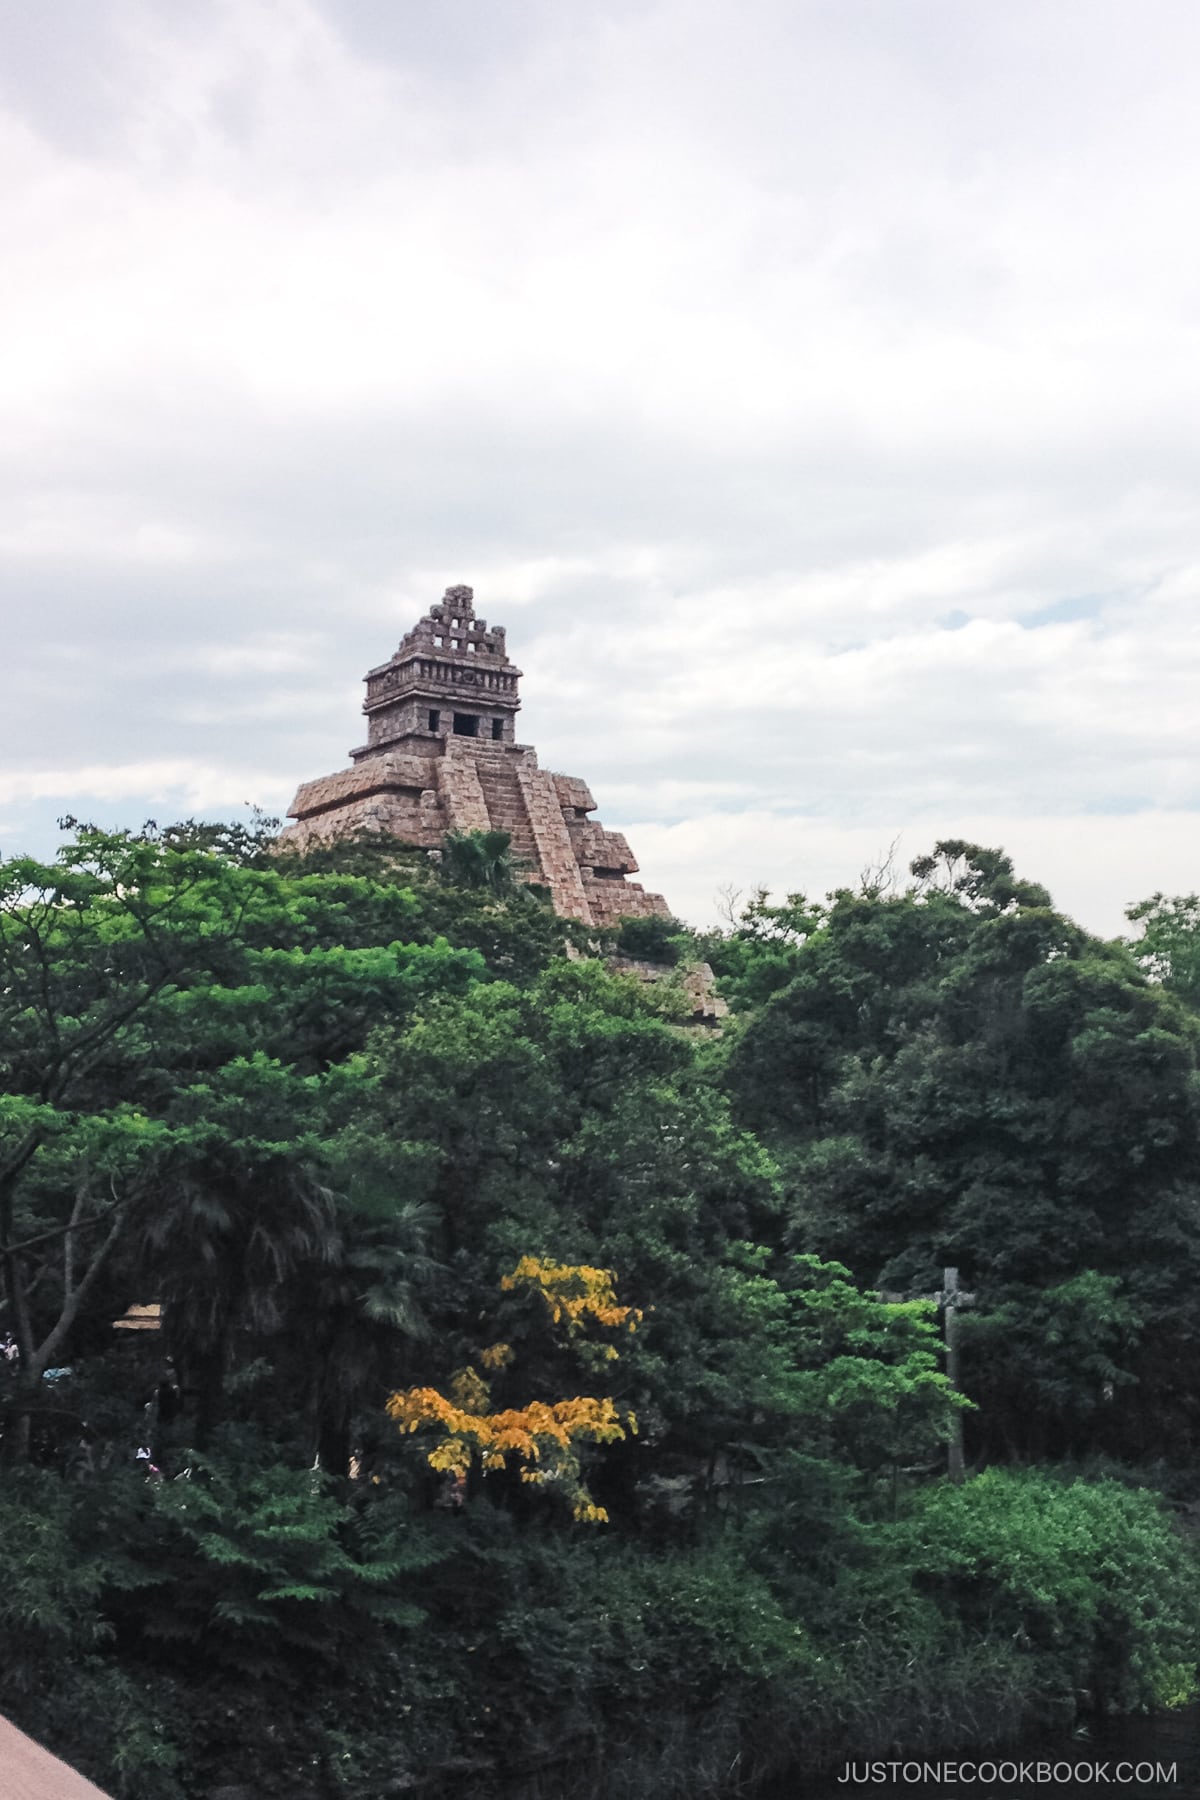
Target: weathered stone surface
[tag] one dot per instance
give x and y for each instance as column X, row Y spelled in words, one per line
column 574, row 796
column 555, row 852
column 695, row 981
column 394, row 794
column 606, row 853
column 384, row 773
column 462, row 795
column 441, row 756
column 611, row 901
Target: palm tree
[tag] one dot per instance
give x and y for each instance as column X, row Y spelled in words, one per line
column 479, row 859
column 355, row 1309
column 220, row 1244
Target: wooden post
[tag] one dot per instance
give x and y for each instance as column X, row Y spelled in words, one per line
column 950, row 1304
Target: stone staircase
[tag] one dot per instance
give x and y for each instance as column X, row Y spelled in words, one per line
column 499, row 787
column 505, row 803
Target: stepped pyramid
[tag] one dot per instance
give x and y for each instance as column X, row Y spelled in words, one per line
column 441, row 755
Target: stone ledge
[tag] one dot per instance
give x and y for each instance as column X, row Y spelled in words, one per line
column 372, row 776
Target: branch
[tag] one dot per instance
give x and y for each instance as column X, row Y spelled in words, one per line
column 14, row 1164
column 70, row 1312
column 74, row 1057
column 73, row 1224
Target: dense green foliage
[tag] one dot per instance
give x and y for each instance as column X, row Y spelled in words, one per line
column 369, row 1129
column 958, row 1075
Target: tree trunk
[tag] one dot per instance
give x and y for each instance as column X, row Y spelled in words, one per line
column 333, row 1440
column 206, row 1371
column 954, row 1458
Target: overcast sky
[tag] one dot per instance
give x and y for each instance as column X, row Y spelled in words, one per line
column 810, row 388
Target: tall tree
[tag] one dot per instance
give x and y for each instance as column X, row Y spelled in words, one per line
column 960, row 1075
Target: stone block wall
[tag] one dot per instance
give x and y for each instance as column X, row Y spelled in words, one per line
column 460, row 790
column 393, row 794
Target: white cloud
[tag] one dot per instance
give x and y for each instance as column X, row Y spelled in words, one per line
column 812, row 390
column 196, row 788
column 1094, row 866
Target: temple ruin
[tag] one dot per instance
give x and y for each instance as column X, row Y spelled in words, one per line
column 441, row 755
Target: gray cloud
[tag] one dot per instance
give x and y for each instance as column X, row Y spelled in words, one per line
column 811, row 389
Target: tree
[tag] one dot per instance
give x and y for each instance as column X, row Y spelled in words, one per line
column 173, row 1007
column 479, row 859
column 541, row 1436
column 352, row 1314
column 88, row 948
column 569, row 1120
column 961, row 1076
column 1168, row 947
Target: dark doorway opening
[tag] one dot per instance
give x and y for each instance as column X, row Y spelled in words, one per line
column 466, row 725
column 433, row 720
column 497, row 729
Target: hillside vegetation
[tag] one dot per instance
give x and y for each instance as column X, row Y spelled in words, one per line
column 548, row 1395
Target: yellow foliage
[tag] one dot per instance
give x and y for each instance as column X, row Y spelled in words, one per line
column 589, row 1514
column 573, row 1293
column 542, row 1436
column 469, row 1390
column 526, row 1430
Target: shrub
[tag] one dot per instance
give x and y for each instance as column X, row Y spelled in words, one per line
column 1089, row 1580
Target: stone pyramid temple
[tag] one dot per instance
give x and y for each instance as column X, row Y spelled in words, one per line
column 441, row 755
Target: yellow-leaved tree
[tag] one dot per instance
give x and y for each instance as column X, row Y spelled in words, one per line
column 542, row 1436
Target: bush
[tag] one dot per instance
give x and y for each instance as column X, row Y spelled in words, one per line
column 652, row 939
column 1090, row 1581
